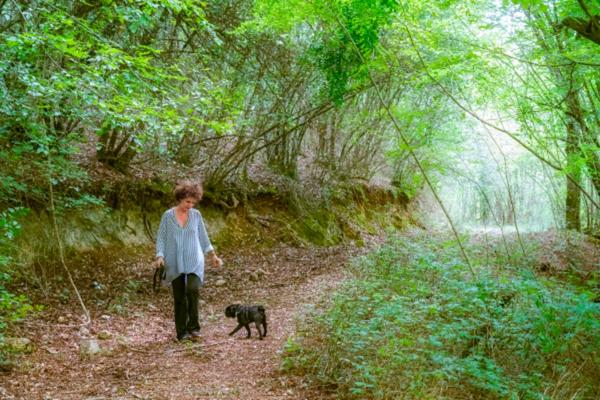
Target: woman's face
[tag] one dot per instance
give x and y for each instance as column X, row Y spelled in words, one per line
column 187, row 203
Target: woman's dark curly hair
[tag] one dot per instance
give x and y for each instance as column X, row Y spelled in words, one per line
column 187, row 189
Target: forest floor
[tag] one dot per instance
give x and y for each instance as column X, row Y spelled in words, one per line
column 139, row 357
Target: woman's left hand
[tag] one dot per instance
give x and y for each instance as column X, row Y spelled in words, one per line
column 215, row 261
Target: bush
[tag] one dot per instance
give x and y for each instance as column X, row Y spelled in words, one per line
column 12, row 307
column 415, row 323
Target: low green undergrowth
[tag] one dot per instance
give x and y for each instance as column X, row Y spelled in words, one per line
column 416, row 323
column 12, row 307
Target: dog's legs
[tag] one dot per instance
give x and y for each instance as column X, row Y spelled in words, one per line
column 248, row 329
column 260, row 335
column 237, row 328
column 264, row 327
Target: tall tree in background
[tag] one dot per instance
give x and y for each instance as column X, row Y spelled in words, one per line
column 575, row 82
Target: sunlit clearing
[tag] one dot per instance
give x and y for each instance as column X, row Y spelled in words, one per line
column 497, row 186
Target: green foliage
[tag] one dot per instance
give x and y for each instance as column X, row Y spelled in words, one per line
column 72, row 69
column 350, row 40
column 12, row 307
column 347, row 35
column 414, row 323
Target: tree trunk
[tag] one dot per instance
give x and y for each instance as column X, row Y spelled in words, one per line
column 573, row 199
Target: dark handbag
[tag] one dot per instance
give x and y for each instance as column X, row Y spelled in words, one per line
column 159, row 274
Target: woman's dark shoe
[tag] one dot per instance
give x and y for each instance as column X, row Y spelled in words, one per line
column 195, row 334
column 185, row 336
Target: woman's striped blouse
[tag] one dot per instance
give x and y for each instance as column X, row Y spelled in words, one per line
column 182, row 248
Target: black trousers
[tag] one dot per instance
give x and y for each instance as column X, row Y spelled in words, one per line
column 185, row 296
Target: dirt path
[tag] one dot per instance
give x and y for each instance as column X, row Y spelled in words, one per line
column 140, row 358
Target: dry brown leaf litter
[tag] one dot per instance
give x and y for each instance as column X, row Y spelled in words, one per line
column 139, row 357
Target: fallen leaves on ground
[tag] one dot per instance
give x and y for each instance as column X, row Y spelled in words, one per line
column 139, row 357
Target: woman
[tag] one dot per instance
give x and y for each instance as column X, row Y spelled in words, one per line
column 182, row 245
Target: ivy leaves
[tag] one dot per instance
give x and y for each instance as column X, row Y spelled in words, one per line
column 344, row 33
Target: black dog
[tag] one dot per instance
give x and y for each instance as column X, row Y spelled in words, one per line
column 247, row 314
